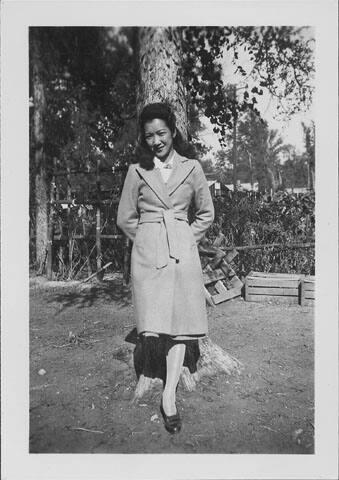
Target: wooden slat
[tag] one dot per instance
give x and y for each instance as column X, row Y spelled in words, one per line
column 235, row 282
column 227, row 295
column 226, row 269
column 208, row 297
column 246, row 290
column 310, row 278
column 272, row 298
column 273, row 282
column 273, row 291
column 308, row 302
column 275, row 275
column 220, row 287
column 85, row 237
column 231, row 255
column 210, row 277
column 307, row 291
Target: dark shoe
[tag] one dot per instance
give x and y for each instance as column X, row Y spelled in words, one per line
column 173, row 422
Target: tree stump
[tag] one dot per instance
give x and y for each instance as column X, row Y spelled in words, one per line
column 213, row 359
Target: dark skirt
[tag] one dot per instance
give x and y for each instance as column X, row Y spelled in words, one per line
column 150, row 354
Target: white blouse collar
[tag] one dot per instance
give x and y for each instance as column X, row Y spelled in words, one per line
column 159, row 164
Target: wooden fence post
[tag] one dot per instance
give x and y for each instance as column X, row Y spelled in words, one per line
column 69, row 201
column 98, row 223
column 50, row 230
column 61, row 248
column 84, row 231
column 86, row 250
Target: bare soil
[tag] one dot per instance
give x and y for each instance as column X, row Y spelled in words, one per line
column 82, row 378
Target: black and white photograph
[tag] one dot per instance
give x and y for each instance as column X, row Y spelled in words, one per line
column 171, row 200
column 125, row 356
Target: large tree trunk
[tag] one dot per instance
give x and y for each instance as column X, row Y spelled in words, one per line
column 41, row 189
column 160, row 57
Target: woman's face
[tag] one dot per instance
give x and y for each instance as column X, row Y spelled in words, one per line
column 159, row 138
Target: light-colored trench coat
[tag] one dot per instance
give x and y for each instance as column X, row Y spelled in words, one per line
column 167, row 284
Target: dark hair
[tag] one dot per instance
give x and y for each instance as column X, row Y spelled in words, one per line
column 164, row 112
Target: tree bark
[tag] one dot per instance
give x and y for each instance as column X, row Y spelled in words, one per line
column 41, row 188
column 160, row 74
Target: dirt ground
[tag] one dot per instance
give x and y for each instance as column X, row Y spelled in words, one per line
column 82, row 380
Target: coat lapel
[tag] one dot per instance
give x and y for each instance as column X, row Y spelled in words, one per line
column 155, row 182
column 181, row 170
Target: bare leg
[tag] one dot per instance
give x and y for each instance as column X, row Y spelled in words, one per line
column 174, row 363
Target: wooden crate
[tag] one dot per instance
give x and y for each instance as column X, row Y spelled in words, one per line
column 307, row 291
column 276, row 287
column 221, row 284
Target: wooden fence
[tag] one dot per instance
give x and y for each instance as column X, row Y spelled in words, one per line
column 98, row 202
column 69, row 202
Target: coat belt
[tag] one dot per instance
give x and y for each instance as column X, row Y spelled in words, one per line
column 167, row 241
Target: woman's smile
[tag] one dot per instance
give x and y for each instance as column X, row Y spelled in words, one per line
column 159, row 138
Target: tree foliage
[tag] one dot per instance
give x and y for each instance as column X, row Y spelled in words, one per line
column 257, row 219
column 259, row 150
column 281, row 61
column 90, row 79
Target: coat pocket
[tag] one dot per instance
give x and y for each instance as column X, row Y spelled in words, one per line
column 140, row 240
column 144, row 251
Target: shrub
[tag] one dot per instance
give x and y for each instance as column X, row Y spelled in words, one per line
column 257, row 220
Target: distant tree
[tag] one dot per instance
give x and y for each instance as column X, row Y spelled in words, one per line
column 258, row 153
column 274, row 147
column 223, row 166
column 294, row 170
column 309, row 141
column 207, row 165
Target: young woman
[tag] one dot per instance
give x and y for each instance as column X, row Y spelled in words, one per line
column 167, row 283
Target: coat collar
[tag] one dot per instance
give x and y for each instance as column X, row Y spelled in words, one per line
column 181, row 170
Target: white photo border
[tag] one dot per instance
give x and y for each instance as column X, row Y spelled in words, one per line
column 16, row 18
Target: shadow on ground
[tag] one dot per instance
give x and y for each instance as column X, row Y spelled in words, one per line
column 87, row 295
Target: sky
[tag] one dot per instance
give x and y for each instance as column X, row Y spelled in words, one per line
column 291, row 131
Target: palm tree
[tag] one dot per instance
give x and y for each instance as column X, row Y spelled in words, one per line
column 274, row 147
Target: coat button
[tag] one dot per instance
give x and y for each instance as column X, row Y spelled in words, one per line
column 176, row 261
